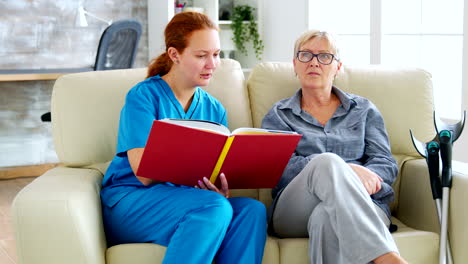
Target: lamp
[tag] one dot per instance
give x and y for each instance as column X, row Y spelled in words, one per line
column 81, row 17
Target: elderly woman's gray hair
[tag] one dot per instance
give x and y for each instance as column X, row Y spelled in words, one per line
column 312, row 34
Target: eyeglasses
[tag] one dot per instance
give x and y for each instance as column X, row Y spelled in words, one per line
column 323, row 58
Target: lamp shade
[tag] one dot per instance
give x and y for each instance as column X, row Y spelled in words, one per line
column 81, row 18
column 81, row 21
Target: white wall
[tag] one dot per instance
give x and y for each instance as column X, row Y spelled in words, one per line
column 283, row 22
column 460, row 148
column 160, row 13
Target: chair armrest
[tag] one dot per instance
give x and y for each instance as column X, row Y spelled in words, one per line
column 416, row 208
column 57, row 218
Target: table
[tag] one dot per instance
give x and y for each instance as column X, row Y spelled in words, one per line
column 37, row 74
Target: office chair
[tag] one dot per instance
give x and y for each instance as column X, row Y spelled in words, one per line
column 118, row 45
column 117, row 48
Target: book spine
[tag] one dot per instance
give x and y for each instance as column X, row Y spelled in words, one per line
column 221, row 159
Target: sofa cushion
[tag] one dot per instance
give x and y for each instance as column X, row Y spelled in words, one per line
column 228, row 86
column 85, row 114
column 415, row 246
column 148, row 253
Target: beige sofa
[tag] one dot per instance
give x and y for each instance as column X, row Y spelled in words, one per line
column 57, row 218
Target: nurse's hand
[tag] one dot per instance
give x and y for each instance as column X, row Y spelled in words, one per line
column 207, row 185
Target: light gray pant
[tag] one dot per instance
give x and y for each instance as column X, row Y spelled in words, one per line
column 328, row 203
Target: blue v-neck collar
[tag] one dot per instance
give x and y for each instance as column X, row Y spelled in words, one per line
column 193, row 106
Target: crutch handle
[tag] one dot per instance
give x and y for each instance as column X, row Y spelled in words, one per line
column 433, row 166
column 445, row 139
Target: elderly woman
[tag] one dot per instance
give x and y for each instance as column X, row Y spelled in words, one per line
column 337, row 185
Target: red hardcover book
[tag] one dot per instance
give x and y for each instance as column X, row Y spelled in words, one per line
column 185, row 151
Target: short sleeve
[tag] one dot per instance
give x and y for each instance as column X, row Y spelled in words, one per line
column 136, row 119
column 224, row 121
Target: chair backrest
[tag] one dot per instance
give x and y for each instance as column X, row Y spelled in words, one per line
column 118, row 45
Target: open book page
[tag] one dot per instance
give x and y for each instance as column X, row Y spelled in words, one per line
column 200, row 124
column 258, row 131
column 219, row 128
column 179, row 153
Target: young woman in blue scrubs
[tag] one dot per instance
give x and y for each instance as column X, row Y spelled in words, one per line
column 197, row 224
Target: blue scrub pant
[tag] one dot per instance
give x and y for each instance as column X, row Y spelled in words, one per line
column 196, row 226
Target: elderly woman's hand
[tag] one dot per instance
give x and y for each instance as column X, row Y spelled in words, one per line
column 370, row 180
column 207, row 185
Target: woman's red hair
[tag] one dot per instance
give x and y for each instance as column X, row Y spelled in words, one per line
column 176, row 35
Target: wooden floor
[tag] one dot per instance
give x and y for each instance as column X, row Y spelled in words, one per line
column 8, row 190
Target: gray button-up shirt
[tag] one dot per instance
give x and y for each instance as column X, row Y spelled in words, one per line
column 356, row 132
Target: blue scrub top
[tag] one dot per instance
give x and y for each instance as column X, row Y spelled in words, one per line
column 149, row 100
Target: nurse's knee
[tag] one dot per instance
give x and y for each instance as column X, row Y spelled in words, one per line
column 253, row 208
column 257, row 207
column 217, row 210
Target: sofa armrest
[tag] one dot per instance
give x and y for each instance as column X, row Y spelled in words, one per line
column 416, row 208
column 57, row 218
column 458, row 214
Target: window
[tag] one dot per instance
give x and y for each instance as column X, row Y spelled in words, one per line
column 419, row 33
column 350, row 23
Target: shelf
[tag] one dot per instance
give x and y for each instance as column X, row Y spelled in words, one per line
column 162, row 11
column 229, row 22
column 37, row 74
column 224, row 22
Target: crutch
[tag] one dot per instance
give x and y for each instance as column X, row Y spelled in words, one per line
column 430, row 151
column 448, row 134
column 445, row 138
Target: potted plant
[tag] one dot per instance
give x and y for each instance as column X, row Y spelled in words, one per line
column 244, row 29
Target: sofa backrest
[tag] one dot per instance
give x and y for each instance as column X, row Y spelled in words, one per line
column 86, row 109
column 403, row 96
